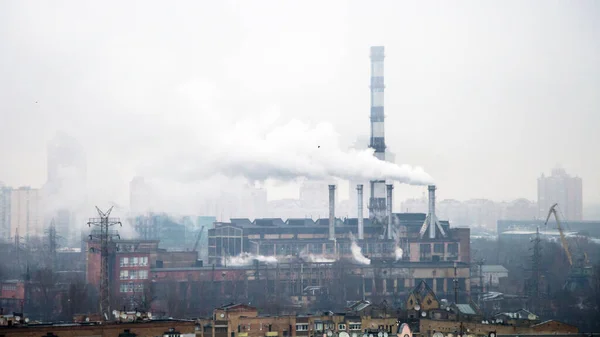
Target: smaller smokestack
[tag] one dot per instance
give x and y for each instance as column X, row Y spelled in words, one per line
column 361, row 225
column 432, row 217
column 331, row 212
column 389, row 188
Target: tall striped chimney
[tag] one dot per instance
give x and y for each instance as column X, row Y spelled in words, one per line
column 377, row 200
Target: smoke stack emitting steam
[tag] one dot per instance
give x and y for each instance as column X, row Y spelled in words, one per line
column 331, row 212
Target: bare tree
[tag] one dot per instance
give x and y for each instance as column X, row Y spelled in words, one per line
column 44, row 291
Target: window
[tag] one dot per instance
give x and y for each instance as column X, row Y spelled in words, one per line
column 135, row 262
column 319, row 326
column 143, row 274
column 9, row 287
column 124, row 274
column 124, row 261
column 342, row 327
column 438, row 248
column 144, row 261
column 302, row 327
column 354, row 326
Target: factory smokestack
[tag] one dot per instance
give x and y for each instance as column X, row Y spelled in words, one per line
column 431, row 221
column 389, row 189
column 377, row 206
column 361, row 225
column 431, row 189
column 331, row 212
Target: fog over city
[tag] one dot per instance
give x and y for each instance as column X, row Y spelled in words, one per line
column 483, row 97
column 299, row 168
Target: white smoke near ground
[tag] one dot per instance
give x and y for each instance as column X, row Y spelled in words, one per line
column 357, row 254
column 315, row 258
column 246, row 259
column 398, row 252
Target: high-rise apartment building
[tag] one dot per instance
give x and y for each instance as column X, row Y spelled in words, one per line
column 563, row 189
column 4, row 212
column 25, row 213
column 65, row 199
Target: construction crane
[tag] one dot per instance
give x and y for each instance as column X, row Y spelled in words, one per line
column 580, row 272
column 563, row 239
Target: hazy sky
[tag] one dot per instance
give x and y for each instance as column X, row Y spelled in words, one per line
column 484, row 95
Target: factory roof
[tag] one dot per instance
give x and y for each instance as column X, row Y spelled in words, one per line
column 493, row 269
column 409, row 219
column 375, row 263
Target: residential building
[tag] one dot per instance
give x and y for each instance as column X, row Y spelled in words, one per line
column 5, row 192
column 564, row 190
column 25, row 212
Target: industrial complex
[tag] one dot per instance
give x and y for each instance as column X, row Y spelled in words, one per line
column 376, row 274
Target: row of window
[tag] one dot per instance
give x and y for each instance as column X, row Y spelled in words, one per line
column 134, row 275
column 9, row 287
column 131, row 287
column 320, row 327
column 141, row 261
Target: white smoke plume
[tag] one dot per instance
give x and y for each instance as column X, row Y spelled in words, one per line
column 357, row 254
column 265, row 148
column 246, row 259
column 398, row 252
column 315, row 258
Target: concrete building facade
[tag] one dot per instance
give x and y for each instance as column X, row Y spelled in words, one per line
column 25, row 212
column 563, row 189
column 5, row 193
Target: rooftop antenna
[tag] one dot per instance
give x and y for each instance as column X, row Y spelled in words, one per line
column 104, row 222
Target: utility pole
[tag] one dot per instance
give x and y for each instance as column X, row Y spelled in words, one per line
column 534, row 281
column 456, row 291
column 52, row 245
column 480, row 264
column 104, row 222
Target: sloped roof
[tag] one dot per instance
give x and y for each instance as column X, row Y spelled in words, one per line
column 466, row 309
column 241, row 221
column 422, row 290
column 300, row 222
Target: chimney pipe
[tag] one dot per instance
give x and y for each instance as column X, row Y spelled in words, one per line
column 331, row 212
column 361, row 225
column 389, row 188
column 432, row 217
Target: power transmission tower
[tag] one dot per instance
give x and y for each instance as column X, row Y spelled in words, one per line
column 52, row 244
column 18, row 245
column 104, row 222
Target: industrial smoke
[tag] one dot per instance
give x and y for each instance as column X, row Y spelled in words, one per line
column 357, row 254
column 315, row 258
column 262, row 148
column 398, row 252
column 246, row 259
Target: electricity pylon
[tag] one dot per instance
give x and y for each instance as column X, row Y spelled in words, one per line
column 104, row 222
